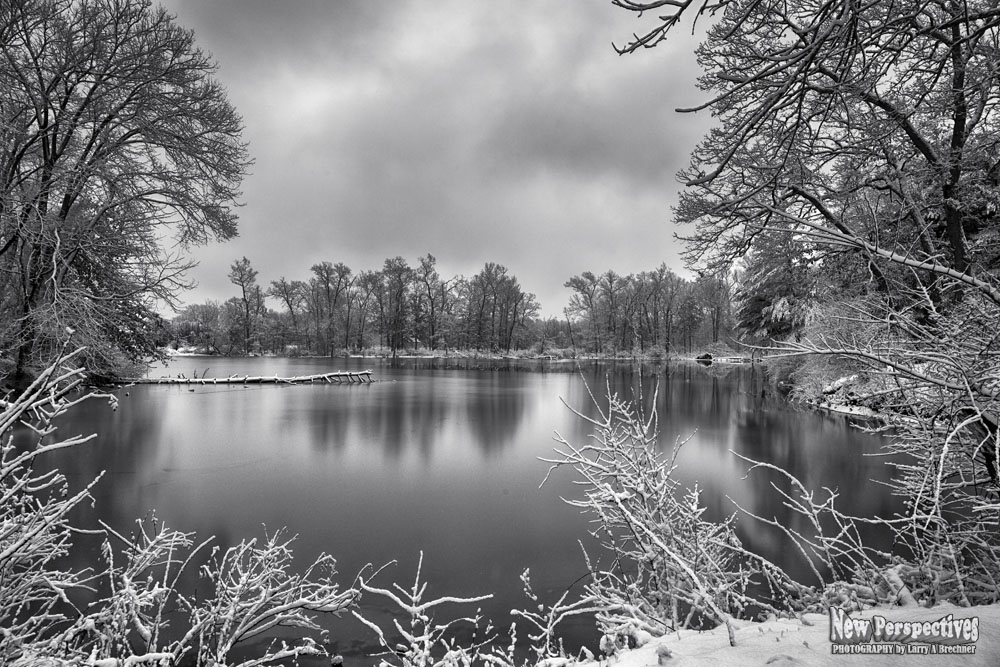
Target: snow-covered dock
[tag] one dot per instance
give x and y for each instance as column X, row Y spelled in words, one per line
column 338, row 377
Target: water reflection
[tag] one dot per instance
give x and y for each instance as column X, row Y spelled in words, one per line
column 495, row 409
column 442, row 456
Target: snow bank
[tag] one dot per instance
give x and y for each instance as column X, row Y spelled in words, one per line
column 836, row 385
column 788, row 642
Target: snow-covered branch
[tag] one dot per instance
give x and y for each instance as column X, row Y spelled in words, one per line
column 424, row 642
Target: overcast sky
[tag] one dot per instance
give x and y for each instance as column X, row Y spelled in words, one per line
column 508, row 132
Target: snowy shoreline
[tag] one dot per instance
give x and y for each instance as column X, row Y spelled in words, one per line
column 807, row 641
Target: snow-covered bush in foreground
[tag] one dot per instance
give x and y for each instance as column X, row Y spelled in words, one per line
column 544, row 619
column 671, row 568
column 424, row 642
column 934, row 380
column 34, row 532
column 470, row 640
column 249, row 590
column 244, row 591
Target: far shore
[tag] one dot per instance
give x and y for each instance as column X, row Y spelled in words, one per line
column 517, row 355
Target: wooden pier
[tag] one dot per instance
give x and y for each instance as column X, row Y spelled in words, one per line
column 339, row 377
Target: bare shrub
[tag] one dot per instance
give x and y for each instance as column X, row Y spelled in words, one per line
column 468, row 640
column 544, row 619
column 251, row 589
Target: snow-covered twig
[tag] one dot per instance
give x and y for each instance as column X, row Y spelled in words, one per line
column 35, row 603
column 425, row 643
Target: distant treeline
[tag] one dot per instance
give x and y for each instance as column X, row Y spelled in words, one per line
column 401, row 308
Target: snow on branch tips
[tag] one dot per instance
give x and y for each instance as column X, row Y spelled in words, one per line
column 424, row 642
column 252, row 587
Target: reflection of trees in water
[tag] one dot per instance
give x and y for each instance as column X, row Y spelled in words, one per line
column 325, row 418
column 411, row 412
column 488, row 407
column 496, row 408
column 493, row 404
column 420, row 409
column 394, row 414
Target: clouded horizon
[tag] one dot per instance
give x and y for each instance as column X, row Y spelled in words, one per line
column 472, row 131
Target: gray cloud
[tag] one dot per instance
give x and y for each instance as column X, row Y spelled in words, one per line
column 250, row 35
column 474, row 131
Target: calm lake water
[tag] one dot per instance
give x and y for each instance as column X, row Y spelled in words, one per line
column 440, row 457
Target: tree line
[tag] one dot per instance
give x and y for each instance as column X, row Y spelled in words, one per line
column 402, row 307
column 397, row 307
column 649, row 311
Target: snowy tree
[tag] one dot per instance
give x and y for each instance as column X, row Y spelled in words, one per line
column 775, row 290
column 872, row 132
column 251, row 299
column 114, row 136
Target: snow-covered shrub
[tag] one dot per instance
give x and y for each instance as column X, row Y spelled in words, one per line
column 255, row 590
column 35, row 534
column 545, row 618
column 244, row 591
column 670, row 567
column 847, row 572
column 423, row 641
column 935, row 373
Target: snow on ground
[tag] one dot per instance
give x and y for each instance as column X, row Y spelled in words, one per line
column 841, row 408
column 786, row 642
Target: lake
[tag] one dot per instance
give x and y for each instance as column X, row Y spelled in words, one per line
column 442, row 456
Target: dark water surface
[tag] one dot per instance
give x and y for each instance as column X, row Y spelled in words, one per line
column 440, row 456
